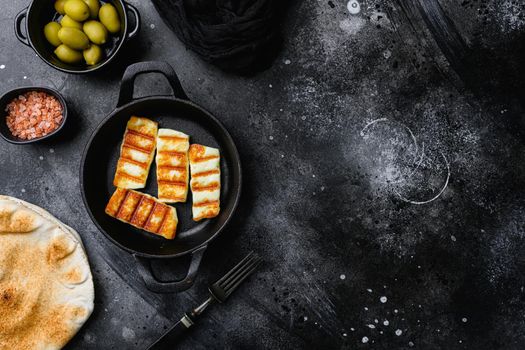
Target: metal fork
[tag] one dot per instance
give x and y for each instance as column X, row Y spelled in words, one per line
column 219, row 292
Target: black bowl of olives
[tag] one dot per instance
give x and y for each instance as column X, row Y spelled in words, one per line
column 76, row 36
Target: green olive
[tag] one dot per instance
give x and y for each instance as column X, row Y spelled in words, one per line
column 109, row 17
column 67, row 21
column 96, row 32
column 51, row 33
column 73, row 38
column 59, row 6
column 77, row 10
column 94, row 6
column 67, row 54
column 93, row 54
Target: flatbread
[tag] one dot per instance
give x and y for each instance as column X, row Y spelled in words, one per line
column 46, row 286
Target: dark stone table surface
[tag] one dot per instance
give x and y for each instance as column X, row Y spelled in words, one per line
column 383, row 160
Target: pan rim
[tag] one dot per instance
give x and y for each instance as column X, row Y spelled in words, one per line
column 162, row 98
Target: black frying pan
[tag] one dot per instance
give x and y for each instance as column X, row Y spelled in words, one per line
column 100, row 159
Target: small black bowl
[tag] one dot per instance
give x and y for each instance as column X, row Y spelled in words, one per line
column 11, row 95
column 41, row 12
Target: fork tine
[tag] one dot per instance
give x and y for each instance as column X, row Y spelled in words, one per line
column 247, row 264
column 234, row 270
column 242, row 278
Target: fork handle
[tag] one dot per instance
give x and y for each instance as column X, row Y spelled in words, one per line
column 168, row 340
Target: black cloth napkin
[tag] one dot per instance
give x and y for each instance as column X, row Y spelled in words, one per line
column 240, row 36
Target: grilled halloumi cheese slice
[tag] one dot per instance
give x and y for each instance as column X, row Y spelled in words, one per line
column 172, row 165
column 143, row 211
column 136, row 153
column 205, row 181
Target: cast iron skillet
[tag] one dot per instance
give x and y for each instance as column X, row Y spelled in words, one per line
column 100, row 158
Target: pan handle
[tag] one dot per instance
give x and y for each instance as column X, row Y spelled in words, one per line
column 18, row 27
column 128, row 79
column 157, row 286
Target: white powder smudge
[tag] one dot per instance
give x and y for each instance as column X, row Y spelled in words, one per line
column 369, row 290
column 271, row 137
column 270, row 86
column 371, row 326
column 453, row 238
column 51, row 150
column 352, row 329
column 287, row 62
column 344, row 334
column 41, row 157
column 364, row 340
column 25, row 77
column 399, row 332
column 438, row 194
column 23, row 190
column 353, row 7
column 376, row 320
column 386, row 323
column 342, row 276
column 352, row 26
column 464, row 320
column 152, row 26
column 411, row 344
column 393, row 173
column 366, row 309
column 2, row 66
column 387, row 54
column 396, row 311
column 383, row 299
column 128, row 334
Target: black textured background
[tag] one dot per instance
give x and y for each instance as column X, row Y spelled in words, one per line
column 323, row 193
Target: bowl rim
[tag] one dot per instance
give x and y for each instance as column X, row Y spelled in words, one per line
column 21, row 90
column 87, row 69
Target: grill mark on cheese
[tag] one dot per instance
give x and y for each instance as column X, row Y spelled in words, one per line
column 133, row 217
column 149, row 224
column 172, row 183
column 211, row 187
column 205, row 173
column 206, row 204
column 131, row 177
column 172, row 167
column 166, row 213
column 150, row 214
column 173, row 138
column 121, row 204
column 141, row 134
column 128, row 142
column 136, row 148
column 173, row 153
column 203, row 159
column 135, row 162
column 173, row 197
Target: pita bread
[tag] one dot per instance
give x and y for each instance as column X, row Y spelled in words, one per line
column 46, row 286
